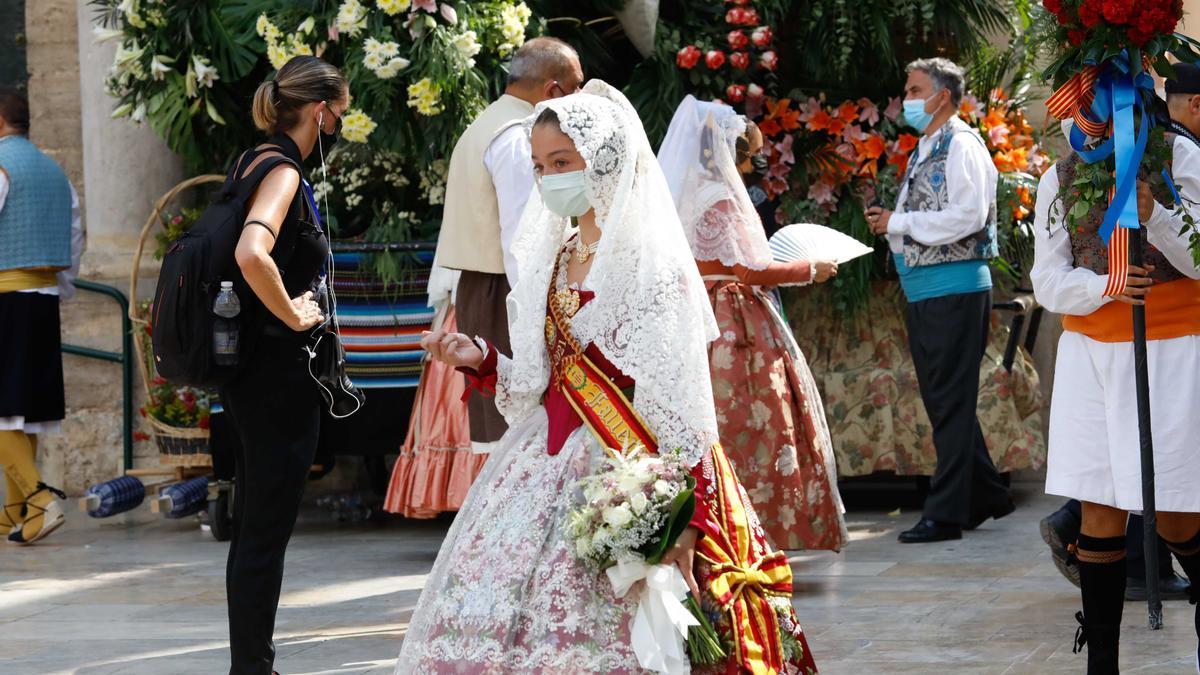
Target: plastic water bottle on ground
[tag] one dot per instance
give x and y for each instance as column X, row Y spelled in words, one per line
column 225, row 328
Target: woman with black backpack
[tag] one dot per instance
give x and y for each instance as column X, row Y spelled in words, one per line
column 273, row 401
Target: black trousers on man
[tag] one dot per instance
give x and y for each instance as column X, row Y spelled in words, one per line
column 948, row 336
column 275, row 407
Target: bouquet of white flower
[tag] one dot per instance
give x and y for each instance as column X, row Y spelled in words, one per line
column 633, row 511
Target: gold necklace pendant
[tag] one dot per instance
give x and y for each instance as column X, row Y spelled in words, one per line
column 583, row 252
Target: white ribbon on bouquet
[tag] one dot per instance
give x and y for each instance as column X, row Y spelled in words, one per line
column 660, row 627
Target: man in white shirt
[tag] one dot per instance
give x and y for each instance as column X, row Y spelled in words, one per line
column 489, row 181
column 942, row 234
column 40, row 243
column 1094, row 444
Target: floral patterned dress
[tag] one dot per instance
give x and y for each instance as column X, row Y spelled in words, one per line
column 507, row 594
column 771, row 419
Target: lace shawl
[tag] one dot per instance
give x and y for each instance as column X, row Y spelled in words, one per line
column 651, row 316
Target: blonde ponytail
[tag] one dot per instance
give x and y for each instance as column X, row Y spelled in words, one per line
column 302, row 80
column 263, row 109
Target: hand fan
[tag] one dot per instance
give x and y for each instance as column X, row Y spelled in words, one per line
column 807, row 241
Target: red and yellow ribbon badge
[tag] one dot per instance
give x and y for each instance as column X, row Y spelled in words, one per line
column 742, row 582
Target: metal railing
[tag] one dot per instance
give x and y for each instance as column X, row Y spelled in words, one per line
column 123, row 357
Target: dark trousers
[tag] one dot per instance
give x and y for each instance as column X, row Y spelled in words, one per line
column 1135, row 545
column 947, row 336
column 275, row 407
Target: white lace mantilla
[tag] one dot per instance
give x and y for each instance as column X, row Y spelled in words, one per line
column 650, row 316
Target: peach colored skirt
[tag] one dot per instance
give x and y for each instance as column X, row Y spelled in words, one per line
column 436, row 466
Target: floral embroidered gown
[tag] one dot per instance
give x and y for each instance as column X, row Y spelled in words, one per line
column 769, row 410
column 508, row 595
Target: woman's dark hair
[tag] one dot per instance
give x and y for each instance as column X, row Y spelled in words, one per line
column 302, row 80
column 548, row 116
column 743, row 142
column 14, row 108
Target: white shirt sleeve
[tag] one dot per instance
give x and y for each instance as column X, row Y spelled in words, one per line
column 971, row 182
column 66, row 287
column 507, row 160
column 3, row 188
column 1164, row 226
column 1058, row 285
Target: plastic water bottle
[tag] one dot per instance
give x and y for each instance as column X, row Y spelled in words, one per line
column 225, row 329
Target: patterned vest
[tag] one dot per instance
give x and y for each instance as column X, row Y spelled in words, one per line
column 928, row 191
column 1087, row 248
column 35, row 223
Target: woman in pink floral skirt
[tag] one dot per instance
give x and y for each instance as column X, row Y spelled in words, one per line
column 769, row 411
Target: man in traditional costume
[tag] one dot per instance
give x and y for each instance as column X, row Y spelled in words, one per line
column 489, row 180
column 1094, row 435
column 40, row 243
column 941, row 236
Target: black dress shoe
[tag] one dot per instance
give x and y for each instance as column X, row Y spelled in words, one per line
column 928, row 530
column 997, row 513
column 1059, row 529
column 1173, row 587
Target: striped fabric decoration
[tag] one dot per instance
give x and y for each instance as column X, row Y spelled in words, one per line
column 380, row 326
column 1118, row 261
column 1074, row 99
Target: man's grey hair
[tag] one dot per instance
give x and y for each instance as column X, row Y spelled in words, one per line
column 945, row 74
column 541, row 59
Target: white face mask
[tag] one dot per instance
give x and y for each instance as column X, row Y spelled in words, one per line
column 565, row 194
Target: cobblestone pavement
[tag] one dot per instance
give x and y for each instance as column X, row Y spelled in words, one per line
column 138, row 594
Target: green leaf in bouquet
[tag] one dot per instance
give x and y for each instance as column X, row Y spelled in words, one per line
column 682, row 509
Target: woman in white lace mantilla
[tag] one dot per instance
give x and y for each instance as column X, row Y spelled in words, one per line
column 769, row 410
column 507, row 593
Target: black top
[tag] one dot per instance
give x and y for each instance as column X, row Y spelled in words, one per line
column 302, row 247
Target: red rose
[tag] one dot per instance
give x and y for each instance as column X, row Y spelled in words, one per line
column 1052, row 6
column 768, row 60
column 761, row 36
column 751, row 17
column 714, row 59
column 1089, row 16
column 737, row 39
column 1137, row 37
column 739, row 60
column 1117, row 12
column 735, row 16
column 1076, row 36
column 736, row 93
column 688, row 57
column 203, row 423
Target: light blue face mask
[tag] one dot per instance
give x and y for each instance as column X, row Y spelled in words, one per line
column 915, row 115
column 565, row 194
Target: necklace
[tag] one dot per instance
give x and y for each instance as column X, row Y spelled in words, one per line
column 566, row 297
column 583, row 252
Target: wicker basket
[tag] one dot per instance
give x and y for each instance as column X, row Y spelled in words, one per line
column 177, row 446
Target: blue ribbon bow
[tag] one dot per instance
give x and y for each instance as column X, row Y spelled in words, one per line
column 1117, row 94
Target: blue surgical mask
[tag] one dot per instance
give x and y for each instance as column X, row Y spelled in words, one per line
column 565, row 194
column 915, row 115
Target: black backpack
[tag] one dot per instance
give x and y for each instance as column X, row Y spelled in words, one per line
column 193, row 268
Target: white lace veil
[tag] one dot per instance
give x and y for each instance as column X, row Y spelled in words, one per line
column 650, row 316
column 699, row 158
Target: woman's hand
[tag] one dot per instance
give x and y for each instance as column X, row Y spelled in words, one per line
column 683, row 555
column 823, row 270
column 453, row 349
column 305, row 313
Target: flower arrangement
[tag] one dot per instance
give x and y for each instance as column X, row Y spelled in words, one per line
column 633, row 511
column 419, row 71
column 1103, row 51
column 177, row 406
column 174, row 225
column 747, row 49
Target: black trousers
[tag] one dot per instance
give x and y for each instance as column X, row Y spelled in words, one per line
column 1135, row 545
column 275, row 407
column 948, row 336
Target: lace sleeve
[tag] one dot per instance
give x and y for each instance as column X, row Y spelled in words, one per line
column 514, row 405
